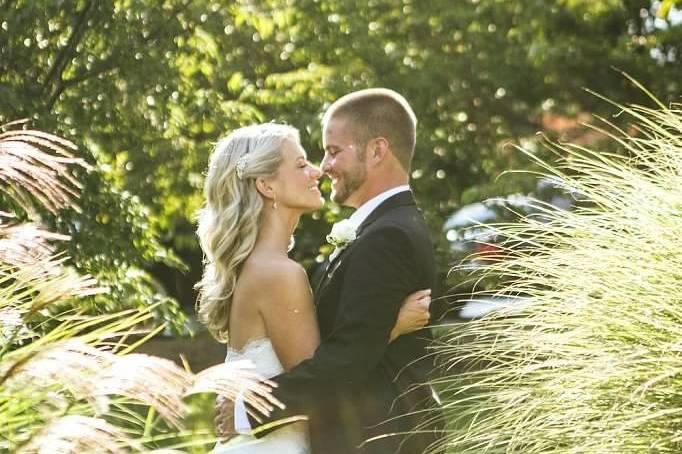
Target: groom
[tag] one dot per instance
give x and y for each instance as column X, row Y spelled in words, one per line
column 357, row 385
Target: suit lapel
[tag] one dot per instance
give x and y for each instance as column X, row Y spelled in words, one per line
column 329, row 271
column 400, row 199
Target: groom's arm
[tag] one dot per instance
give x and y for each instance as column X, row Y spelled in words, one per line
column 381, row 271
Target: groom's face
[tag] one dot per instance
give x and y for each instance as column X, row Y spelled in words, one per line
column 344, row 162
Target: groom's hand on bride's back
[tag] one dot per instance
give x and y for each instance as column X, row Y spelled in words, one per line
column 414, row 313
column 224, row 418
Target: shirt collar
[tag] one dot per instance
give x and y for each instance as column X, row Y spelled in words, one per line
column 359, row 216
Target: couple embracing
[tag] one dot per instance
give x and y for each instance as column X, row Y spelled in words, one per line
column 349, row 357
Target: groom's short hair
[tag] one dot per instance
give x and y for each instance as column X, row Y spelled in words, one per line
column 378, row 112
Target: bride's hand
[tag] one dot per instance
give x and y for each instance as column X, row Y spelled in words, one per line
column 414, row 313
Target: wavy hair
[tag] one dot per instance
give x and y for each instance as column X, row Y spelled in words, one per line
column 229, row 222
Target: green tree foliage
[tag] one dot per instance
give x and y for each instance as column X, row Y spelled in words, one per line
column 148, row 86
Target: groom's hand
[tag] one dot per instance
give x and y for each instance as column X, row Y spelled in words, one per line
column 224, row 418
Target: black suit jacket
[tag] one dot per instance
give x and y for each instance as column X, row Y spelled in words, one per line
column 357, row 385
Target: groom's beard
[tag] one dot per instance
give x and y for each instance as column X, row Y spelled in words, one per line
column 351, row 180
column 348, row 183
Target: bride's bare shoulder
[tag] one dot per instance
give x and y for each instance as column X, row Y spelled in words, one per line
column 265, row 273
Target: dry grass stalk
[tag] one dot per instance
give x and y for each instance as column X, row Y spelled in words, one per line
column 79, row 434
column 51, row 384
column 44, row 175
column 592, row 362
column 235, row 378
column 22, row 244
column 156, row 382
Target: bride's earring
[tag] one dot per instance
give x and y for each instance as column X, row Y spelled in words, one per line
column 274, row 202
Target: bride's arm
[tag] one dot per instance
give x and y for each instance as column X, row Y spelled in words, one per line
column 289, row 313
column 414, row 314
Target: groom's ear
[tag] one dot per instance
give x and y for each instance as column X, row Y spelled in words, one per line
column 264, row 188
column 378, row 150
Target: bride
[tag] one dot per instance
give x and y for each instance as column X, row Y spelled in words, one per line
column 259, row 183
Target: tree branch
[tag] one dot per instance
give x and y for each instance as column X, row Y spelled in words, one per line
column 64, row 56
column 105, row 66
column 61, row 63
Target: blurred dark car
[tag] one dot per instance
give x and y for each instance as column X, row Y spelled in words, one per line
column 474, row 240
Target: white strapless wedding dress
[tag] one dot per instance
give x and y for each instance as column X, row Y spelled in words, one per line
column 290, row 439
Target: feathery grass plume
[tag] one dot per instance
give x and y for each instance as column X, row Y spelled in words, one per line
column 25, row 243
column 75, row 433
column 166, row 451
column 39, row 165
column 228, row 380
column 76, row 387
column 157, row 382
column 590, row 360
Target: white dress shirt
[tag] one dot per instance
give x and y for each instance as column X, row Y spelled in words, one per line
column 362, row 213
column 241, row 420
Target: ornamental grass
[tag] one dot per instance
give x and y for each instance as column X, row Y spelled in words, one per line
column 69, row 383
column 589, row 359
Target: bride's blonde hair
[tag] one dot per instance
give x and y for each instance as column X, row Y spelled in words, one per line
column 229, row 222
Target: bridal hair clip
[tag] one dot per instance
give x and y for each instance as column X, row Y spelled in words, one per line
column 241, row 166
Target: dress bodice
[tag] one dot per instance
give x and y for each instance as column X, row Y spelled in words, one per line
column 290, row 439
column 261, row 354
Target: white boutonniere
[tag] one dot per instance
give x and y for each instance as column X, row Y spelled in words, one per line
column 343, row 233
